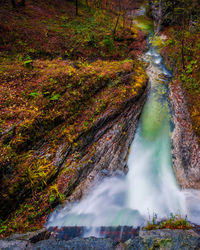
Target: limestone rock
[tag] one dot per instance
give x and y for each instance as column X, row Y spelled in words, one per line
column 75, row 244
column 186, row 150
column 15, row 245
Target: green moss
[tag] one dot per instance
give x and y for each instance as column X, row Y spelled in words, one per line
column 161, row 244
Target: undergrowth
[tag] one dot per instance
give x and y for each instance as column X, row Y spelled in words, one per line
column 174, row 222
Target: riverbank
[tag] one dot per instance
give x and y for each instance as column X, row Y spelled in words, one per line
column 184, row 95
column 179, row 46
column 70, row 89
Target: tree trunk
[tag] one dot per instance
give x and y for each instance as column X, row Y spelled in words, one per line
column 182, row 53
column 87, row 3
column 119, row 13
column 76, row 7
column 183, row 38
column 13, row 3
column 114, row 31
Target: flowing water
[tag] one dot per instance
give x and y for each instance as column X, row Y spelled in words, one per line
column 150, row 166
column 150, row 186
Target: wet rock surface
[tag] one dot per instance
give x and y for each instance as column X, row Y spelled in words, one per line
column 77, row 243
column 186, row 150
column 117, row 234
column 153, row 239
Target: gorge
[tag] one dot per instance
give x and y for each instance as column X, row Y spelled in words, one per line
column 99, row 127
column 144, row 193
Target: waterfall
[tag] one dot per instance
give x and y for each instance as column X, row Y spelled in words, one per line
column 150, row 186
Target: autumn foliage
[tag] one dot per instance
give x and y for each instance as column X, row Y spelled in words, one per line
column 60, row 74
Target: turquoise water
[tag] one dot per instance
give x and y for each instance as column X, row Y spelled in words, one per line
column 151, row 179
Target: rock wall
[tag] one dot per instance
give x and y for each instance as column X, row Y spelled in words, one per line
column 185, row 150
column 185, row 146
column 112, row 138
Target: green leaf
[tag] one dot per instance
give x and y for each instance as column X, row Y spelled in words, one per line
column 34, row 94
column 55, row 97
column 28, row 63
column 52, row 198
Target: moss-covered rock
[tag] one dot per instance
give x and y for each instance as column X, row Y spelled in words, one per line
column 165, row 240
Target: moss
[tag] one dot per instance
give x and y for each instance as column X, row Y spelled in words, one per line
column 161, row 244
column 86, row 92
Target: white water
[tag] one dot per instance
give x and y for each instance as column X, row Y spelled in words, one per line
column 104, row 206
column 150, row 186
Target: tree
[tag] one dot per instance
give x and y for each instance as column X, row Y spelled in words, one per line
column 178, row 12
column 76, row 7
column 118, row 17
column 182, row 13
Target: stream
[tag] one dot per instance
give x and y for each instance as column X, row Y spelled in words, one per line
column 150, row 188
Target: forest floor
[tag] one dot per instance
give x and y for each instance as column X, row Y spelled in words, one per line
column 59, row 73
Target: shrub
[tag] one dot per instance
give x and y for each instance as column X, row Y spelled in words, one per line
column 174, row 222
column 109, row 43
